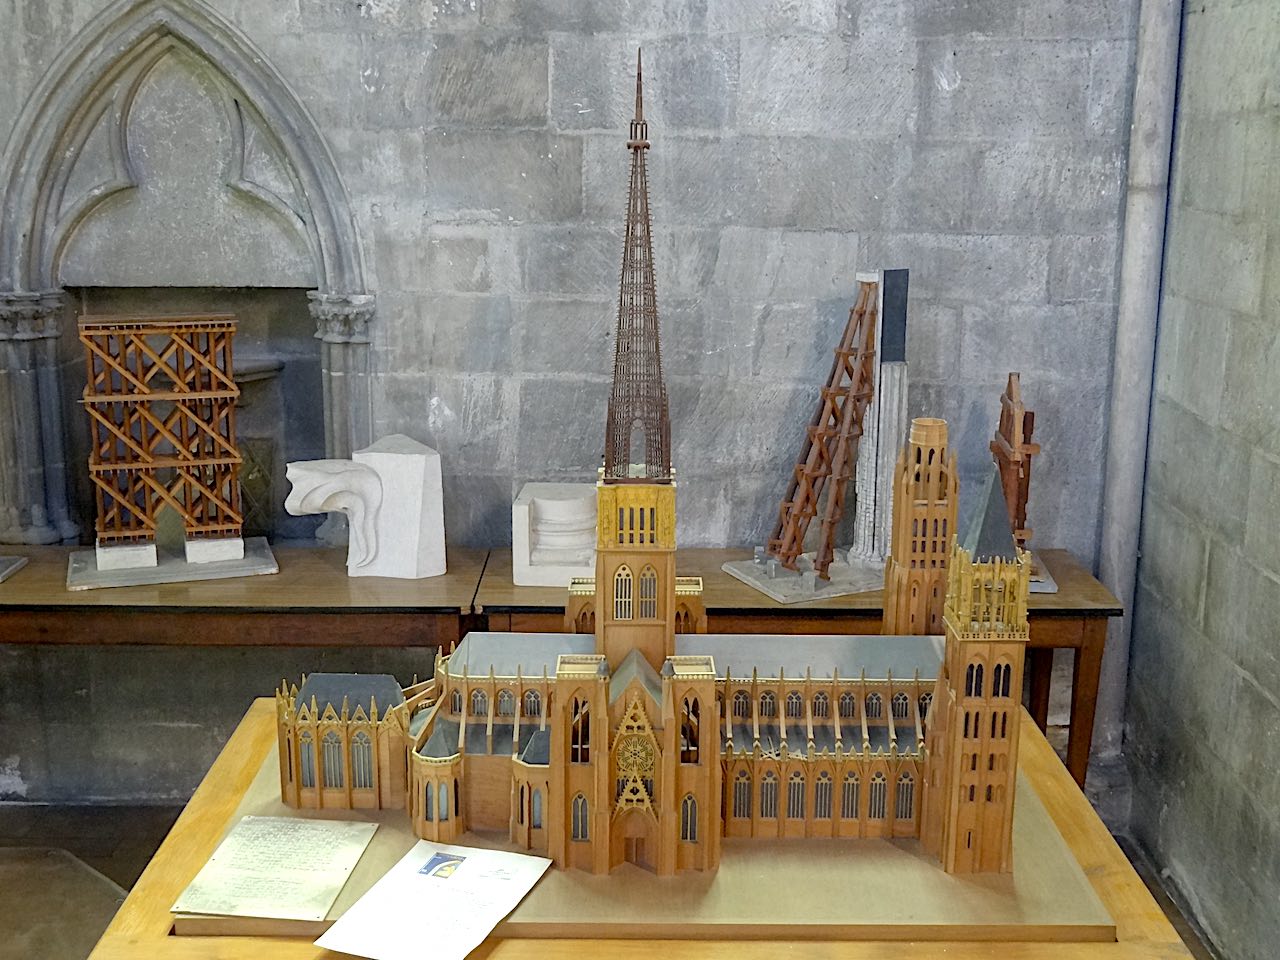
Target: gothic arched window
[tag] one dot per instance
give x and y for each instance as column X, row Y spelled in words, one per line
column 361, row 761
column 689, row 723
column 846, row 705
column 479, row 703
column 768, row 704
column 926, row 700
column 742, row 795
column 905, row 802
column 741, row 705
column 875, row 706
column 795, row 704
column 973, row 680
column 332, row 746
column 901, row 704
column 307, row 758
column 1000, row 679
column 821, row 706
column 822, row 796
column 579, row 827
column 506, row 703
column 795, row 796
column 849, row 797
column 532, row 703
column 648, row 593
column 455, row 701
column 580, row 733
column 689, row 818
column 769, row 796
column 622, row 593
column 876, row 799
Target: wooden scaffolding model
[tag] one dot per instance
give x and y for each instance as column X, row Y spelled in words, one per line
column 830, row 450
column 161, row 400
column 1012, row 451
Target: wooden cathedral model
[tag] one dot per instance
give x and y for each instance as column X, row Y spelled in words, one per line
column 639, row 740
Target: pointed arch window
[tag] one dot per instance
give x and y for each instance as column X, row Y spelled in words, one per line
column 362, row 761
column 846, row 706
column 580, row 733
column 689, row 723
column 901, row 705
column 648, row 592
column 444, row 802
column 455, row 702
column 822, row 796
column 506, row 703
column 741, row 705
column 849, row 797
column 768, row 704
column 535, row 810
column 1001, row 677
column 332, row 745
column 622, row 593
column 821, row 706
column 532, row 703
column 877, row 797
column 689, row 819
column 307, row 758
column 926, row 701
column 769, row 796
column 520, row 807
column 905, row 802
column 875, row 706
column 428, row 791
column 479, row 703
column 580, row 830
column 742, row 795
column 795, row 705
column 795, row 796
column 973, row 680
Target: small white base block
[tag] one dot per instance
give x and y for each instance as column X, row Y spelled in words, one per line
column 83, row 572
column 211, row 551
column 126, row 557
column 553, row 534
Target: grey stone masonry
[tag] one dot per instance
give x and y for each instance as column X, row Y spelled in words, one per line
column 1203, row 721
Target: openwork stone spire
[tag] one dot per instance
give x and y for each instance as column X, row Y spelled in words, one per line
column 638, row 419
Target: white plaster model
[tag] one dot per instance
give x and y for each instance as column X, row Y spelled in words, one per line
column 126, row 557
column 214, row 550
column 393, row 497
column 553, row 534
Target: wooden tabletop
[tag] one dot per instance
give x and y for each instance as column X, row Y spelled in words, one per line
column 141, row 927
column 310, row 579
column 1079, row 593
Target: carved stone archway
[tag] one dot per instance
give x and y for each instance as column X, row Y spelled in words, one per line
column 96, row 76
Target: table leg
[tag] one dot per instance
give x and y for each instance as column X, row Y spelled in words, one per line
column 1084, row 696
column 1040, row 666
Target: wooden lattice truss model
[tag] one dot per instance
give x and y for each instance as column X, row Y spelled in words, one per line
column 830, row 449
column 161, row 400
column 1012, row 450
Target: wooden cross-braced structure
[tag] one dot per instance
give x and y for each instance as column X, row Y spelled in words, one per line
column 830, row 450
column 161, row 398
column 1012, row 451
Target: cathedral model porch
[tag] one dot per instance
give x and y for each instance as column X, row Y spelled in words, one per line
column 638, row 739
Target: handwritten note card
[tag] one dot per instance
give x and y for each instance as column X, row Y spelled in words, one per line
column 277, row 867
column 458, row 893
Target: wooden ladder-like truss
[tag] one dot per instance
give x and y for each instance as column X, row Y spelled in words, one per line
column 161, row 399
column 830, row 449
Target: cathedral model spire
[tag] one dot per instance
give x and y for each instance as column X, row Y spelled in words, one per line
column 638, row 434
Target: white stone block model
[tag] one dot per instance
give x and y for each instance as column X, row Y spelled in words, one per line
column 393, row 497
column 553, row 534
column 126, row 557
column 211, row 551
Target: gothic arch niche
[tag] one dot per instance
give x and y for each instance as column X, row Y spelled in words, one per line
column 70, row 176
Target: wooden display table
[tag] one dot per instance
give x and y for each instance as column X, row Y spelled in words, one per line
column 310, row 602
column 141, row 927
column 1074, row 618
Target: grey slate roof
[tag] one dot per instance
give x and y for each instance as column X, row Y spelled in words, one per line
column 538, row 749
column 443, row 741
column 989, row 534
column 507, row 653
column 635, row 667
column 358, row 688
column 820, row 655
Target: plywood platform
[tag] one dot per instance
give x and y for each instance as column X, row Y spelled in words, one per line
column 792, row 889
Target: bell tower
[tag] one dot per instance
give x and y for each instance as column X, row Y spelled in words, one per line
column 636, row 496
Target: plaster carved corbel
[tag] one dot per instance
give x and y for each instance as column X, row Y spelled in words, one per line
column 341, row 486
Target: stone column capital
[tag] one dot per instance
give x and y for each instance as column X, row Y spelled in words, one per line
column 341, row 317
column 30, row 316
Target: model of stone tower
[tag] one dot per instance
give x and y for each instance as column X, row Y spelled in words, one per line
column 972, row 741
column 925, row 497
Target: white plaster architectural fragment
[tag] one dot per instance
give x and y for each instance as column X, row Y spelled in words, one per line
column 130, row 556
column 392, row 494
column 553, row 534
column 214, row 550
column 69, row 154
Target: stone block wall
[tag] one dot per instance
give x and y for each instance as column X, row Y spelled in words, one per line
column 481, row 143
column 1203, row 724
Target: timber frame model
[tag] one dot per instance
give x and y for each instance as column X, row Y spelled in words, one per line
column 830, row 449
column 1012, row 451
column 636, row 744
column 161, row 399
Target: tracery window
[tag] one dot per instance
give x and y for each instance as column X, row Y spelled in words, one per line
column 579, row 828
column 648, row 593
column 479, row 703
column 973, row 680
column 769, row 796
column 876, row 799
column 506, row 703
column 875, row 706
column 532, row 703
column 741, row 705
column 768, row 704
column 622, row 593
column 455, row 702
column 307, row 759
column 846, row 705
column 901, row 704
column 580, row 733
column 332, row 745
column 742, row 795
column 689, row 819
column 849, row 797
column 795, row 704
column 822, row 796
column 821, row 706
column 1001, row 677
column 361, row 761
column 926, row 701
column 795, row 796
column 905, row 802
